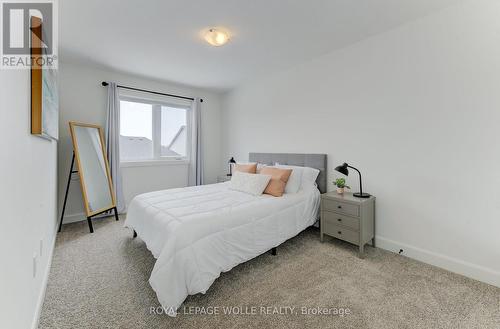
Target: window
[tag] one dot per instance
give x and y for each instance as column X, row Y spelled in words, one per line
column 173, row 132
column 136, row 131
column 150, row 130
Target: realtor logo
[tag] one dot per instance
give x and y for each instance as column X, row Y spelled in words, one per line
column 28, row 34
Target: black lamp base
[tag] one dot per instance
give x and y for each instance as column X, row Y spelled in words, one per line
column 361, row 195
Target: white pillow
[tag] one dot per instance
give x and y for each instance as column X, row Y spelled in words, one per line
column 308, row 177
column 295, row 179
column 253, row 184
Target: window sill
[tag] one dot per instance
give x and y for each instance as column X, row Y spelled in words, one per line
column 150, row 163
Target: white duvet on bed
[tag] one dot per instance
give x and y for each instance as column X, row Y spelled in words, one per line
column 198, row 232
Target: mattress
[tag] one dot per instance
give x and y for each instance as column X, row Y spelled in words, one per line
column 195, row 233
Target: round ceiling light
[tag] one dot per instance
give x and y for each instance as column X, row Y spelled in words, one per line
column 216, row 37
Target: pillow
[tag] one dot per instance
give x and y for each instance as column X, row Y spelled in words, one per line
column 246, row 163
column 308, row 177
column 250, row 168
column 279, row 177
column 293, row 184
column 253, row 184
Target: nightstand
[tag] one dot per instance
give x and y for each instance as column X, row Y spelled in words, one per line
column 223, row 178
column 348, row 218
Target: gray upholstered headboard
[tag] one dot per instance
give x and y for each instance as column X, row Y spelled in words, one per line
column 317, row 161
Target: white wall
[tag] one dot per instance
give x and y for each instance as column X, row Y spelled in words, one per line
column 28, row 203
column 84, row 99
column 417, row 109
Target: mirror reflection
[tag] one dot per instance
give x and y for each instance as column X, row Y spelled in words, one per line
column 93, row 168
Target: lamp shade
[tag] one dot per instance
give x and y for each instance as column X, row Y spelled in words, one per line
column 232, row 160
column 343, row 169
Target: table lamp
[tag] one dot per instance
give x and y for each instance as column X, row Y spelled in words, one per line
column 343, row 170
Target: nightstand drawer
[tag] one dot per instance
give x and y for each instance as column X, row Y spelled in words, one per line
column 341, row 207
column 338, row 219
column 341, row 232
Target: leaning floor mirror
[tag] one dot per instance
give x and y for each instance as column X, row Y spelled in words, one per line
column 93, row 169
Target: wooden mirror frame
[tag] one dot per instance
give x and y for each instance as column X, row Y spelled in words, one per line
column 89, row 213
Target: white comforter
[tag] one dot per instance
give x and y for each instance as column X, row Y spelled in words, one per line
column 198, row 232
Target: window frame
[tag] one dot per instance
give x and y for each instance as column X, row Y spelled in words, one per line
column 157, row 104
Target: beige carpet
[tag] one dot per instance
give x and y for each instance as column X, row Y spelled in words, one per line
column 100, row 280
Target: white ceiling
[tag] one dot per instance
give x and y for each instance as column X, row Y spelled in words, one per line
column 161, row 38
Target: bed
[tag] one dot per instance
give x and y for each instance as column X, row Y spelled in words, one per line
column 195, row 233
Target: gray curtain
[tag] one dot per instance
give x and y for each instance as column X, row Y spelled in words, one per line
column 113, row 144
column 195, row 175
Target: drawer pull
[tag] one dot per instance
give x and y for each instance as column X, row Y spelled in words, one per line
column 340, row 207
column 339, row 232
column 340, row 219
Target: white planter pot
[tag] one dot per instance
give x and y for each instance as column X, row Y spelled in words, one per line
column 340, row 190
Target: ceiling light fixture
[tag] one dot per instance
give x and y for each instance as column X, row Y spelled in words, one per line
column 216, row 37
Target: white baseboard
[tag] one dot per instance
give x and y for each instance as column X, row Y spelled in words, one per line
column 79, row 217
column 470, row 270
column 41, row 297
column 74, row 218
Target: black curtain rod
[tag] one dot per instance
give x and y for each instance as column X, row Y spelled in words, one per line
column 104, row 83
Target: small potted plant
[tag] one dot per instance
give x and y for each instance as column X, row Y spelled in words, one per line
column 340, row 183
